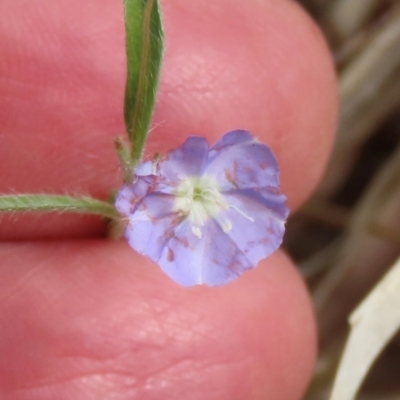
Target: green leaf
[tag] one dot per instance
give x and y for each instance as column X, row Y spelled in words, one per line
column 45, row 202
column 144, row 48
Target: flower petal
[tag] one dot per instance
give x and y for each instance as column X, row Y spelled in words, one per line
column 186, row 160
column 206, row 215
column 130, row 196
column 214, row 259
column 239, row 161
column 151, row 225
column 146, row 168
column 256, row 224
column 232, row 138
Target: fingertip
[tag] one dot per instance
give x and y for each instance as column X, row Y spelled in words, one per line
column 101, row 302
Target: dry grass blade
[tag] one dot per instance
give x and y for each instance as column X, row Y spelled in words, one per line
column 373, row 324
column 364, row 256
column 370, row 91
column 346, row 16
column 320, row 261
column 362, row 78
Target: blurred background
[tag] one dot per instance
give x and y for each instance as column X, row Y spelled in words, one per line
column 348, row 234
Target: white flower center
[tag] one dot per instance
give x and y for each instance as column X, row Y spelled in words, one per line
column 199, row 198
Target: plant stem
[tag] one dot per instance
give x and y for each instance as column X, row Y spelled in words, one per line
column 125, row 160
column 45, row 202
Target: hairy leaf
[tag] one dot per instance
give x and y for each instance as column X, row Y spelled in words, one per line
column 144, row 48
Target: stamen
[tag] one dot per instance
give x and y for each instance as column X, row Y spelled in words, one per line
column 199, row 198
column 241, row 213
column 196, row 231
column 227, row 226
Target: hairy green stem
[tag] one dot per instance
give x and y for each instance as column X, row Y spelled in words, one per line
column 125, row 160
column 45, row 202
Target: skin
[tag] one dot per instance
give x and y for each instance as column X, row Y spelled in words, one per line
column 82, row 317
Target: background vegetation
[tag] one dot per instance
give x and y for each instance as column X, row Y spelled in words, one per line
column 348, row 235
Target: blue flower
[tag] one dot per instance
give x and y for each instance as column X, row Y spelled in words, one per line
column 206, row 215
